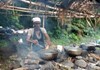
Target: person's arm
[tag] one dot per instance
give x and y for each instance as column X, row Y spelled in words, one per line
column 29, row 37
column 47, row 38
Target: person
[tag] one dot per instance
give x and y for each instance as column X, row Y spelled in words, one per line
column 37, row 36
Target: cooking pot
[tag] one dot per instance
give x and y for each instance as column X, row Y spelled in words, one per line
column 48, row 54
column 74, row 50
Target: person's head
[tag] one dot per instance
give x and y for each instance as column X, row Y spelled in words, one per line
column 36, row 21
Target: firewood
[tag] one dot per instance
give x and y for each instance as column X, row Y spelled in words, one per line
column 63, row 66
column 20, row 69
column 95, row 56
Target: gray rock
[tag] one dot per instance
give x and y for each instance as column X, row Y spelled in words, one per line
column 79, row 57
column 48, row 66
column 81, row 63
column 92, row 66
column 32, row 67
column 80, row 69
column 29, row 62
column 69, row 63
column 97, row 52
column 98, row 63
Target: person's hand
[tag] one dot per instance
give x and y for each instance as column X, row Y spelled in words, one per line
column 49, row 42
column 47, row 47
column 35, row 42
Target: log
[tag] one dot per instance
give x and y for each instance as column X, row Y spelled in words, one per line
column 27, row 10
column 63, row 66
column 95, row 56
column 38, row 4
column 20, row 69
column 43, row 12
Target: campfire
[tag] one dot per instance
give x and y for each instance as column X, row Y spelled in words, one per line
column 83, row 57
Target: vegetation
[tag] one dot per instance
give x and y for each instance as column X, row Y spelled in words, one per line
column 72, row 31
column 77, row 31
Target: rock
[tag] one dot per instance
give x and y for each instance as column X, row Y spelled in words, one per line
column 98, row 63
column 84, row 53
column 79, row 57
column 81, row 63
column 0, row 64
column 29, row 62
column 92, row 66
column 97, row 52
column 48, row 66
column 33, row 55
column 69, row 63
column 80, row 69
column 32, row 67
column 91, row 59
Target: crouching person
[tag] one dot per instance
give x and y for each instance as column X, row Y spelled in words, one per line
column 38, row 36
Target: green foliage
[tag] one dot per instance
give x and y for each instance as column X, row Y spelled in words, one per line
column 76, row 32
column 89, row 31
column 14, row 39
column 73, row 37
column 9, row 19
column 3, row 43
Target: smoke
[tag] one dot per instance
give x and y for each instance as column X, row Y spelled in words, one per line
column 22, row 47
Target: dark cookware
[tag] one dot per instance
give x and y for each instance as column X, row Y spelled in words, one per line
column 48, row 54
column 74, row 51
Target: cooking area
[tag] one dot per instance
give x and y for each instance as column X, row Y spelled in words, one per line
column 49, row 34
column 85, row 56
column 72, row 57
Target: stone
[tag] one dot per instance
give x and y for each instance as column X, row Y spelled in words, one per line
column 92, row 66
column 48, row 66
column 32, row 67
column 91, row 59
column 29, row 62
column 69, row 63
column 80, row 68
column 97, row 52
column 98, row 63
column 79, row 57
column 81, row 63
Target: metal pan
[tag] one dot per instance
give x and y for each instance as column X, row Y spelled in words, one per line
column 74, row 51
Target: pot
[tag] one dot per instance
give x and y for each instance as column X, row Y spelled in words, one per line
column 48, row 54
column 74, row 51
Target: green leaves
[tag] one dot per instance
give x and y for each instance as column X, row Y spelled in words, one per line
column 3, row 43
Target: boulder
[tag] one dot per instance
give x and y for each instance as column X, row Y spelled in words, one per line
column 81, row 63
